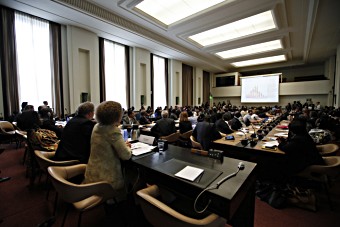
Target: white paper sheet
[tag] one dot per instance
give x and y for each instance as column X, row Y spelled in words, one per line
column 189, row 173
column 141, row 148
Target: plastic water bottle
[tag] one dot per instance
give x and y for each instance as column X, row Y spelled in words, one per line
column 125, row 135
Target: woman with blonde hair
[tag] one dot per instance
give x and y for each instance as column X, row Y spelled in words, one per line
column 107, row 148
column 184, row 123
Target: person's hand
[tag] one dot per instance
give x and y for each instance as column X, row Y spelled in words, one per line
column 128, row 144
column 280, row 139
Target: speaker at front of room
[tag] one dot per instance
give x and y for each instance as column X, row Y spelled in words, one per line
column 142, row 100
column 84, row 97
column 177, row 100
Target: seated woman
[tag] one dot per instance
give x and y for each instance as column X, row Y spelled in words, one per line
column 299, row 148
column 107, row 148
column 184, row 123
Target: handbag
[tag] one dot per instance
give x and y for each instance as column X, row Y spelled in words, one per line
column 303, row 198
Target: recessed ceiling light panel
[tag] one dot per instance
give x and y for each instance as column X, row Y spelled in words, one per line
column 171, row 11
column 260, row 61
column 245, row 27
column 252, row 49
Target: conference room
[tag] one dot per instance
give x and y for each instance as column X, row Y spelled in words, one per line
column 70, row 51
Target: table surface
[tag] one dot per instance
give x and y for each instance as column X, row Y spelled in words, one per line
column 225, row 200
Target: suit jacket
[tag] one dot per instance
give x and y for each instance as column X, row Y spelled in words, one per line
column 75, row 140
column 205, row 133
column 164, row 127
column 107, row 149
column 28, row 120
column 235, row 124
column 143, row 121
column 223, row 127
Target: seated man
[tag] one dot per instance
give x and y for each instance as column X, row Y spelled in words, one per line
column 76, row 136
column 165, row 126
column 48, row 122
column 144, row 118
column 130, row 119
column 222, row 125
column 206, row 132
column 28, row 119
column 235, row 123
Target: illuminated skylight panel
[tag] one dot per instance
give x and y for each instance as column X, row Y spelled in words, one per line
column 244, row 27
column 171, row 11
column 252, row 49
column 260, row 61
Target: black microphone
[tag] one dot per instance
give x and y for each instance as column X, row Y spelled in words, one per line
column 240, row 166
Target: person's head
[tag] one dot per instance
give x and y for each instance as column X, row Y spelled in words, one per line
column 165, row 114
column 109, row 113
column 183, row 116
column 143, row 113
column 219, row 116
column 227, row 116
column 131, row 113
column 46, row 113
column 29, row 108
column 45, row 103
column 298, row 126
column 23, row 105
column 86, row 109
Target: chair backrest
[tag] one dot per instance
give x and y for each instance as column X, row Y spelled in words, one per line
column 160, row 214
column 186, row 135
column 171, row 138
column 44, row 160
column 195, row 144
column 7, row 127
column 331, row 169
column 71, row 193
column 327, row 149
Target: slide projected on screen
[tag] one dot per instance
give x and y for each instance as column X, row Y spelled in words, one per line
column 260, row 89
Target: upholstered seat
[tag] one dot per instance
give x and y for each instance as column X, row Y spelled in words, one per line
column 7, row 132
column 160, row 214
column 172, row 138
column 195, row 144
column 324, row 174
column 327, row 149
column 82, row 196
column 186, row 135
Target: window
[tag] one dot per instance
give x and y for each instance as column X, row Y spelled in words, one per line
column 33, row 60
column 159, row 81
column 115, row 73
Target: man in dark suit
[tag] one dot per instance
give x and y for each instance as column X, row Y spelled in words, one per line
column 76, row 137
column 235, row 123
column 206, row 132
column 28, row 119
column 222, row 124
column 164, row 126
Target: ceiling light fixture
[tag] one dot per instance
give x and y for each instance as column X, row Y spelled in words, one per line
column 169, row 12
column 252, row 49
column 260, row 61
column 245, row 27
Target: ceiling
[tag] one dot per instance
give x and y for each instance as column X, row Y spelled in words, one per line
column 309, row 30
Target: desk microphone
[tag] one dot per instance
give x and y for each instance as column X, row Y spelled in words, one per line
column 240, row 166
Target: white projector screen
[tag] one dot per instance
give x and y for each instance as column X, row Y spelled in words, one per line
column 260, row 89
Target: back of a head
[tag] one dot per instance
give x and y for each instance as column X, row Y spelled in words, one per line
column 183, row 116
column 227, row 116
column 109, row 113
column 298, row 126
column 85, row 108
column 165, row 114
column 29, row 108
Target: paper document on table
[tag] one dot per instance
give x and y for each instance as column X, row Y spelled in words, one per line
column 141, row 148
column 271, row 144
column 281, row 134
column 189, row 173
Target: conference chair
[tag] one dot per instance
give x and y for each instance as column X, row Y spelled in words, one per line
column 172, row 138
column 195, row 144
column 324, row 174
column 327, row 149
column 44, row 160
column 83, row 197
column 159, row 214
column 184, row 139
column 7, row 133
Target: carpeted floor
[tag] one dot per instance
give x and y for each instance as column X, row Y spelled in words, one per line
column 21, row 205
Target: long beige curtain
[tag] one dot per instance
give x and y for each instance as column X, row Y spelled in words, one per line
column 187, row 85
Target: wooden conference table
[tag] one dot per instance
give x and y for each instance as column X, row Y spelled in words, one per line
column 233, row 200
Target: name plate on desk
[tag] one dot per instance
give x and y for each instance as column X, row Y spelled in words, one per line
column 146, row 139
column 173, row 166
